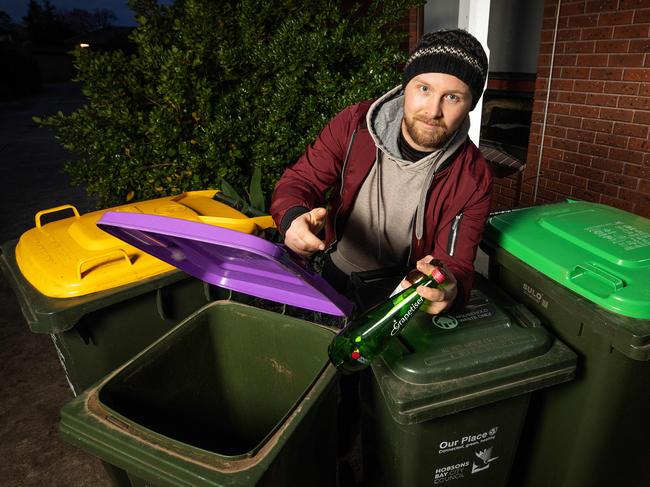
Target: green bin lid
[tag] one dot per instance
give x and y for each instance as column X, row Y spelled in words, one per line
column 599, row 252
column 441, row 365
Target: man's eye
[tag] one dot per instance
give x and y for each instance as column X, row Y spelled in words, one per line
column 452, row 97
column 424, row 89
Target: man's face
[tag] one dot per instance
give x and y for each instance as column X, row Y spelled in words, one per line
column 435, row 105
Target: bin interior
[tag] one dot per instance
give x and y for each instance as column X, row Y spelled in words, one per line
column 222, row 381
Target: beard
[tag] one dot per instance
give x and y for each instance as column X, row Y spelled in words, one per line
column 431, row 139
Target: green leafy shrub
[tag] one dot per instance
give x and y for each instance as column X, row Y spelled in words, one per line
column 215, row 89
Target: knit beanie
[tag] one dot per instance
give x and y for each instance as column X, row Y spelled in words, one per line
column 455, row 52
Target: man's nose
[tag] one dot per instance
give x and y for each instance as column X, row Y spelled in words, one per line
column 434, row 108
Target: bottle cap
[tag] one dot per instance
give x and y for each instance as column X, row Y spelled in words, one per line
column 438, row 275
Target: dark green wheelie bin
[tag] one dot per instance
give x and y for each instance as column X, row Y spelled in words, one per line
column 584, row 269
column 234, row 395
column 445, row 404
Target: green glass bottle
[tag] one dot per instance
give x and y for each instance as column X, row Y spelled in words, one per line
column 368, row 335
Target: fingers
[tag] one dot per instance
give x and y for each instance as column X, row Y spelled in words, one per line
column 301, row 238
column 441, row 298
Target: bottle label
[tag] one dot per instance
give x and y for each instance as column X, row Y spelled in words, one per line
column 398, row 324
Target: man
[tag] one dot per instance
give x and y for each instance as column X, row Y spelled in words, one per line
column 405, row 182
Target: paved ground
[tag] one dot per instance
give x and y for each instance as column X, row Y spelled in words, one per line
column 33, row 387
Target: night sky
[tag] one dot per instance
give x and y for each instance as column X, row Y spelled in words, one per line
column 17, row 9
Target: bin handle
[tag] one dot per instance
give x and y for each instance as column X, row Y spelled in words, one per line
column 38, row 216
column 102, row 259
column 583, row 270
column 262, row 222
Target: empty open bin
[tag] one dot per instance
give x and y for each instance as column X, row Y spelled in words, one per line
column 234, row 395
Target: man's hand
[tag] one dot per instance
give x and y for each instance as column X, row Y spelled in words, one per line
column 439, row 300
column 301, row 234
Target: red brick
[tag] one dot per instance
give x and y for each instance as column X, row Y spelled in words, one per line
column 637, row 171
column 550, row 23
column 562, row 84
column 640, row 74
column 609, row 165
column 641, row 117
column 585, row 195
column 588, row 47
column 626, row 155
column 639, row 45
column 611, row 140
column 583, row 20
column 612, row 74
column 617, row 114
column 625, row 60
column 634, row 102
column 572, row 97
column 642, row 16
column 573, row 180
column 568, row 35
column 576, row 73
column 642, row 199
column 561, row 167
column 596, row 33
column 640, row 131
column 590, row 173
column 581, row 135
column 584, row 111
column 601, row 100
column 551, row 153
column 564, row 121
column 559, row 108
column 616, row 203
column 586, row 86
column 593, row 60
column 575, row 158
column 601, row 6
column 559, row 187
column 632, row 4
column 604, row 126
column 567, row 9
column 565, row 60
column 644, row 186
column 612, row 46
column 621, row 88
column 630, row 31
column 639, row 144
column 593, row 149
column 621, row 180
column 546, row 36
column 555, row 131
column 565, row 144
column 603, row 188
column 616, row 18
column 644, row 89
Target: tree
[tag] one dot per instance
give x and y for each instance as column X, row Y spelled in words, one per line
column 217, row 89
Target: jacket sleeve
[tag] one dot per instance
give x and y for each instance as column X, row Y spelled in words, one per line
column 303, row 185
column 458, row 253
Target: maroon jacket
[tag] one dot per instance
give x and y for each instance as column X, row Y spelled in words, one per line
column 341, row 157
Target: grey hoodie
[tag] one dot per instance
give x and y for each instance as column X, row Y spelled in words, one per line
column 391, row 200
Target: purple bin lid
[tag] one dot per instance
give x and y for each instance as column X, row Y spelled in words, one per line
column 227, row 258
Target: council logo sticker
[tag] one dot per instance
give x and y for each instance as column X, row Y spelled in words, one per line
column 445, row 322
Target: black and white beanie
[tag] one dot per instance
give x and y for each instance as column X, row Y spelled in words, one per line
column 455, row 52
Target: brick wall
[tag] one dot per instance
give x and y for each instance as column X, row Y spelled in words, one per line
column 596, row 140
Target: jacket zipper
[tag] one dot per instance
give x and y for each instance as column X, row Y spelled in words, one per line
column 453, row 234
column 343, row 167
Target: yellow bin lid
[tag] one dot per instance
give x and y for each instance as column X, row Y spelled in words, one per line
column 73, row 257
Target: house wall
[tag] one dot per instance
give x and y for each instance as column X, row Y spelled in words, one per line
column 596, row 124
